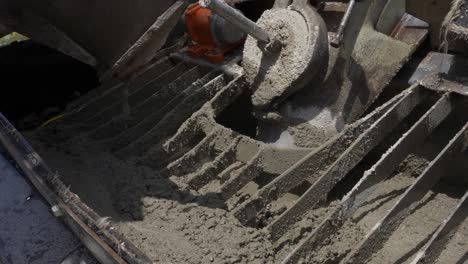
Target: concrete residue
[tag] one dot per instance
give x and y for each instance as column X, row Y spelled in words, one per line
column 175, row 233
column 308, row 136
column 301, row 229
column 171, row 222
column 416, row 229
column 168, row 224
column 272, row 74
column 413, row 164
column 187, row 189
column 455, row 250
column 362, row 221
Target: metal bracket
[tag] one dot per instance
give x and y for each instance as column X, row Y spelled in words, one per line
column 442, row 72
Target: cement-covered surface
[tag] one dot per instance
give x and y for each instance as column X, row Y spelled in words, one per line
column 168, row 224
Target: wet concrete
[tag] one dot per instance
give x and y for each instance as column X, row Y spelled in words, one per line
column 184, row 188
column 167, row 223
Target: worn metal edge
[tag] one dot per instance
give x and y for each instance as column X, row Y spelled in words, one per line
column 81, row 223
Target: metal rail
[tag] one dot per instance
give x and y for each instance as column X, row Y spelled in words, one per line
column 379, row 172
column 435, row 245
column 108, row 246
column 338, row 38
column 347, row 161
column 309, row 167
column 397, row 153
column 383, row 229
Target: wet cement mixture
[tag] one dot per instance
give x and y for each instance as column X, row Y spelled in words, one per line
column 169, row 225
column 416, row 229
column 455, row 250
column 362, row 221
column 174, row 185
column 175, row 224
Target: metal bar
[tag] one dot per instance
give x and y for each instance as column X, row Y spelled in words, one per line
column 203, row 120
column 108, row 110
column 226, row 96
column 151, row 136
column 379, row 172
column 210, row 172
column 310, row 166
column 184, row 165
column 153, row 104
column 380, row 233
column 84, row 110
column 27, row 160
column 410, row 30
column 236, row 18
column 347, row 161
column 336, row 41
column 250, row 171
column 446, row 83
column 119, row 243
column 397, row 153
column 439, row 63
column 146, row 75
column 103, row 246
column 183, row 100
column 433, row 248
column 114, row 108
column 100, row 250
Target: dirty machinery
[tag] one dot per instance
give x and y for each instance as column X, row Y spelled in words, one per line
column 221, row 136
